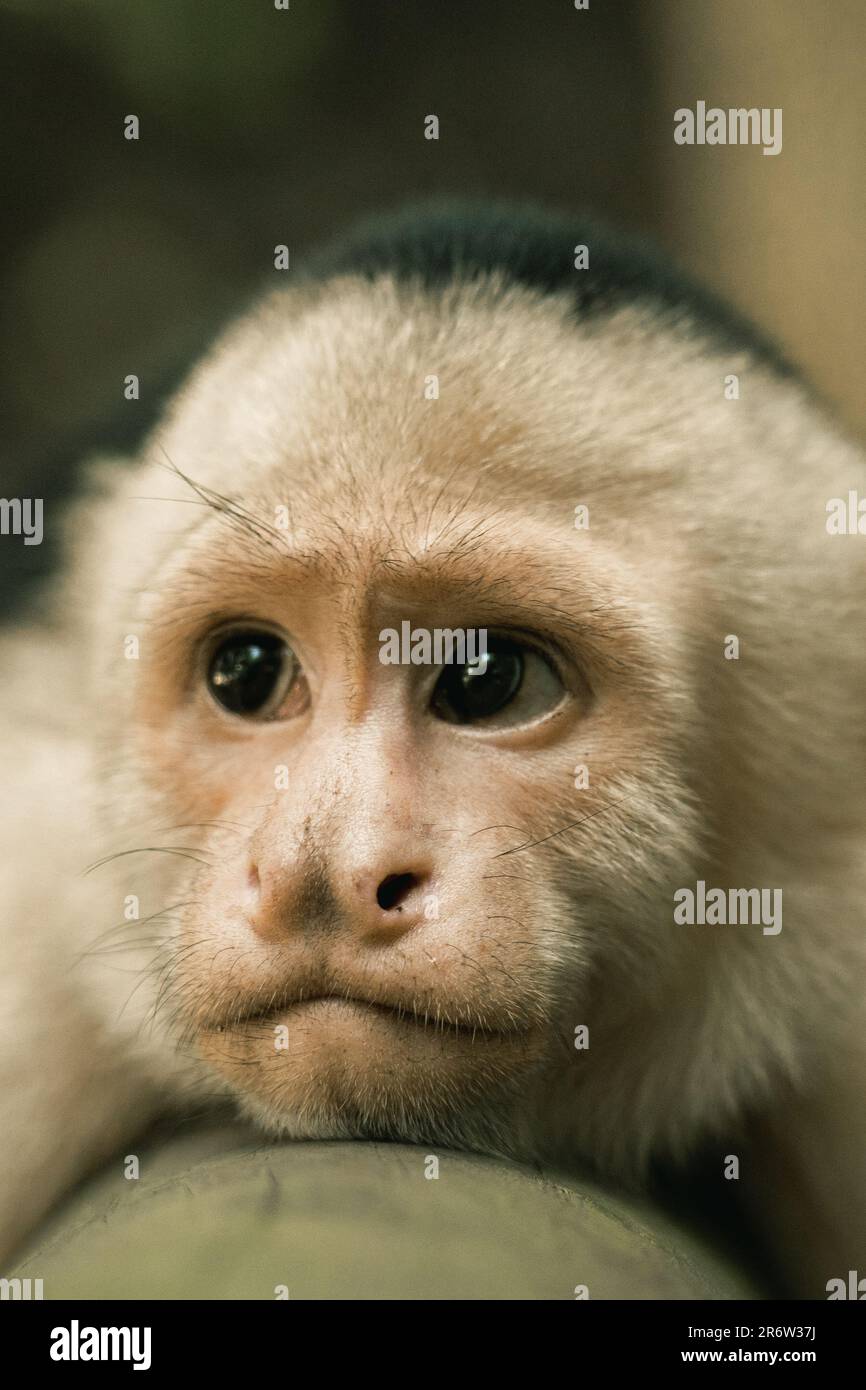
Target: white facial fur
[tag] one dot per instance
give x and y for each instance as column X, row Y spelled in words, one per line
column 554, row 904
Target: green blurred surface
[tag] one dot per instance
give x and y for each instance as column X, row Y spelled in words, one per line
column 216, row 1214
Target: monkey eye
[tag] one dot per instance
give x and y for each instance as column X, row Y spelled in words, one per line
column 516, row 683
column 255, row 674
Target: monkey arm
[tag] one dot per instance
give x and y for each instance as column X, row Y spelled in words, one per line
column 67, row 1101
column 70, row 1091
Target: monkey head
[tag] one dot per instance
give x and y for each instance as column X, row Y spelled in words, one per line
column 432, row 902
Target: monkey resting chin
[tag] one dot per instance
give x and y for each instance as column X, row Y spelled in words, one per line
column 375, row 898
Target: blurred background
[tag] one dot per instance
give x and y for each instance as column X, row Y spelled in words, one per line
column 261, row 126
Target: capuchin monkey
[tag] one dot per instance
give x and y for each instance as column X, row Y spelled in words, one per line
column 596, row 897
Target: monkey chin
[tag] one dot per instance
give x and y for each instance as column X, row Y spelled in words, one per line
column 334, row 1068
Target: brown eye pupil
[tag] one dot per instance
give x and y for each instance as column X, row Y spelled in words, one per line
column 245, row 670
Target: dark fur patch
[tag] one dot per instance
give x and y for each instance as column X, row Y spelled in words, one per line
column 437, row 242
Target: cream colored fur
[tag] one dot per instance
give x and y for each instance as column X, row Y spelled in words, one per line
column 707, row 518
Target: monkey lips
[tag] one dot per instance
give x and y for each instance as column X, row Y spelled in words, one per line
column 338, row 1064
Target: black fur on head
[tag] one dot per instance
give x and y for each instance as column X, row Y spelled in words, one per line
column 436, row 242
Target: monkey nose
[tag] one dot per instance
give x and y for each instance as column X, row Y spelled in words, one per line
column 383, row 901
column 395, row 891
column 384, row 883
column 386, row 902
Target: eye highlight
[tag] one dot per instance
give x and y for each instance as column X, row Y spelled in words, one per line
column 254, row 674
column 515, row 686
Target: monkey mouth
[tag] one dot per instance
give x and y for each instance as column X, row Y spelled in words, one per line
column 400, row 1016
column 329, row 1064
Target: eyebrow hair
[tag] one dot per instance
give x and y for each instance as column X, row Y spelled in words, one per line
column 488, row 577
column 224, row 506
column 521, row 587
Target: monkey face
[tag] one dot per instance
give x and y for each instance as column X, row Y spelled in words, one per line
column 405, row 870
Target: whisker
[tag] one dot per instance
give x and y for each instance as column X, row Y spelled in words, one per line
column 145, row 849
column 572, row 825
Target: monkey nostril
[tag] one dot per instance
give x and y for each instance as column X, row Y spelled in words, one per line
column 393, row 889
